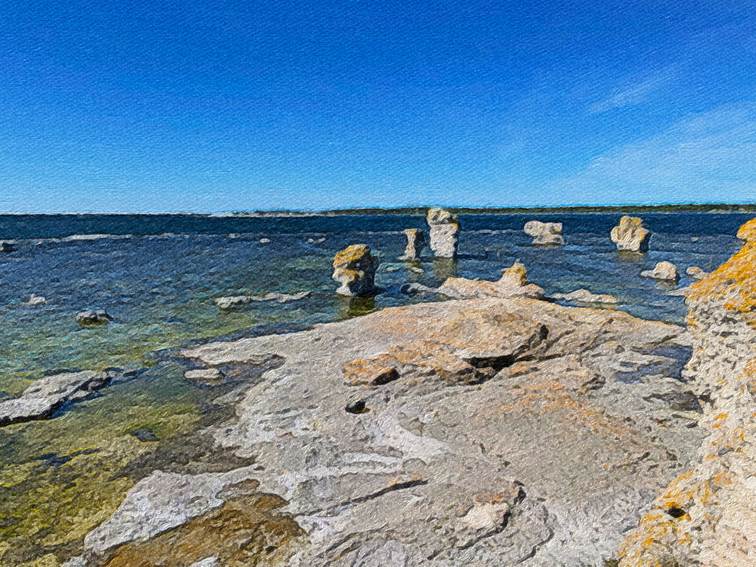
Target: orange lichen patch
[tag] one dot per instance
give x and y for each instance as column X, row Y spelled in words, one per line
column 373, row 371
column 735, row 280
column 351, row 255
column 244, row 531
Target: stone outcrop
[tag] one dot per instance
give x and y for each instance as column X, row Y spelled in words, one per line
column 707, row 515
column 47, row 394
column 354, row 268
column 444, row 232
column 544, row 233
column 663, row 270
column 415, row 242
column 585, row 296
column 229, row 302
column 630, row 235
column 91, row 318
column 513, row 283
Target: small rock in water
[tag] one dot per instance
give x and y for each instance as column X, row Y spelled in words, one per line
column 144, row 434
column 265, row 241
column 232, row 301
column 415, row 288
column 356, row 406
column 316, row 240
column 416, row 269
column 6, row 246
column 238, row 300
column 585, row 296
column 663, row 270
column 354, row 268
column 544, row 233
column 35, row 299
column 87, row 318
column 630, row 235
column 696, row 273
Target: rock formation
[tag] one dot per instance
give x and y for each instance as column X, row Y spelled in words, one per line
column 46, row 394
column 513, row 283
column 585, row 296
column 6, row 246
column 229, row 302
column 707, row 515
column 90, row 318
column 663, row 270
column 544, row 233
column 630, row 235
column 696, row 273
column 415, row 241
column 354, row 268
column 444, row 232
column 35, row 299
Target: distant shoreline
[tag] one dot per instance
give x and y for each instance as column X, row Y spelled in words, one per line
column 420, row 211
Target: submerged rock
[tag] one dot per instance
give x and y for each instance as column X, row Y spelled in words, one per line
column 354, row 268
column 90, row 318
column 415, row 241
column 585, row 296
column 630, row 235
column 513, row 283
column 47, row 394
column 229, row 302
column 444, row 232
column 209, row 375
column 414, row 288
column 663, row 270
column 696, row 273
column 707, row 515
column 544, row 233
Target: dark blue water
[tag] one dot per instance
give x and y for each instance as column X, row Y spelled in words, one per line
column 158, row 274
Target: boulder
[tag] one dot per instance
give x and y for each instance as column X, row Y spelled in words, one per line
column 444, row 232
column 544, row 233
column 415, row 241
column 585, row 296
column 663, row 270
column 630, row 235
column 513, row 283
column 90, row 318
column 696, row 273
column 6, row 246
column 354, row 268
column 47, row 394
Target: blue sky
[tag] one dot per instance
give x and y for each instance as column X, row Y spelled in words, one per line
column 216, row 106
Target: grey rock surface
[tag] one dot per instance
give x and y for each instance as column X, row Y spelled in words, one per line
column 585, row 296
column 47, row 394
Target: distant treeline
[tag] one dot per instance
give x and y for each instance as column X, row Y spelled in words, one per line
column 706, row 208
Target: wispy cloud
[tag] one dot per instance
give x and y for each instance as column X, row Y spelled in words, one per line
column 635, row 91
column 710, row 154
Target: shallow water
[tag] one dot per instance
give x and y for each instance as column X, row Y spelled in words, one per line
column 157, row 276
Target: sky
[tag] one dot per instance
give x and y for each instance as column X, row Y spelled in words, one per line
column 210, row 106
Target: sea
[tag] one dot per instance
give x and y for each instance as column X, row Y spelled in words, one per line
column 157, row 276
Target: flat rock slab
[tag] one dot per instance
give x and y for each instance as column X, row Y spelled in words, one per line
column 47, row 394
column 514, row 431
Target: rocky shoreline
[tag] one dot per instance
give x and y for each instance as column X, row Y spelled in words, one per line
column 494, row 428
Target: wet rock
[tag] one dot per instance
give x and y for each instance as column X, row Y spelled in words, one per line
column 91, row 318
column 444, row 232
column 513, row 283
column 663, row 270
column 6, row 247
column 585, row 296
column 696, row 273
column 630, row 235
column 47, row 394
column 415, row 241
column 230, row 302
column 544, row 233
column 35, row 299
column 706, row 515
column 354, row 268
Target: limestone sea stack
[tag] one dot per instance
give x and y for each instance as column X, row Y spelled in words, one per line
column 444, row 232
column 630, row 235
column 415, row 241
column 354, row 268
column 707, row 515
column 544, row 233
column 665, row 271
